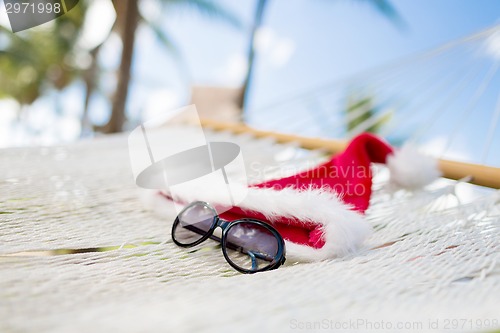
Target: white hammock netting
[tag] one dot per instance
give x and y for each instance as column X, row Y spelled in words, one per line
column 432, row 263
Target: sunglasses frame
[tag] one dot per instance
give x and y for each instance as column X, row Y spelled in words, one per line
column 279, row 258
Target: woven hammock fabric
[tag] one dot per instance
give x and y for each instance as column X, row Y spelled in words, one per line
column 433, row 263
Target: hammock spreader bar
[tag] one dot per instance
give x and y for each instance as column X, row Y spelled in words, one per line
column 479, row 174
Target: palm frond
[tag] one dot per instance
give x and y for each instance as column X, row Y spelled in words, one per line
column 161, row 35
column 207, row 8
column 385, row 8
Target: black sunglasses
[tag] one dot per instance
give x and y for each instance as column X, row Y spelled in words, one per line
column 249, row 245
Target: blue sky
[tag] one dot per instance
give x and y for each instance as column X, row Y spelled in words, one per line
column 330, row 40
column 304, row 44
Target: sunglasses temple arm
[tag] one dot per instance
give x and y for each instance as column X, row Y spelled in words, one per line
column 254, row 255
column 254, row 261
column 251, row 254
column 198, row 230
column 195, row 229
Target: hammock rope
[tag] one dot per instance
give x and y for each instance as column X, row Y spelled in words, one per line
column 433, row 94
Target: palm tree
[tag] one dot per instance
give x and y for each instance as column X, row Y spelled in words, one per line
column 257, row 23
column 34, row 61
column 127, row 22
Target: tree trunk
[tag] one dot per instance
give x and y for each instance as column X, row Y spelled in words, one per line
column 90, row 80
column 127, row 13
column 259, row 11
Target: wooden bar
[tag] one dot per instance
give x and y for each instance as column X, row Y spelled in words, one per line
column 481, row 174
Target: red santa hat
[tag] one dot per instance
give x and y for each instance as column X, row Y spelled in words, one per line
column 320, row 211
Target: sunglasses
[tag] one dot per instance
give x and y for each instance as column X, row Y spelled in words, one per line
column 249, row 245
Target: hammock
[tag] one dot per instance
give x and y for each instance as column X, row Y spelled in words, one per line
column 79, row 252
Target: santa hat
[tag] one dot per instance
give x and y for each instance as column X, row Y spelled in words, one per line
column 320, row 211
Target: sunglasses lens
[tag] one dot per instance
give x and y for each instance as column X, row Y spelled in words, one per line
column 194, row 223
column 251, row 246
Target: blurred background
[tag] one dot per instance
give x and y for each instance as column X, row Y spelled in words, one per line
column 423, row 70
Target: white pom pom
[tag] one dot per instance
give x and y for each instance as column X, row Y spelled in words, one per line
column 411, row 169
